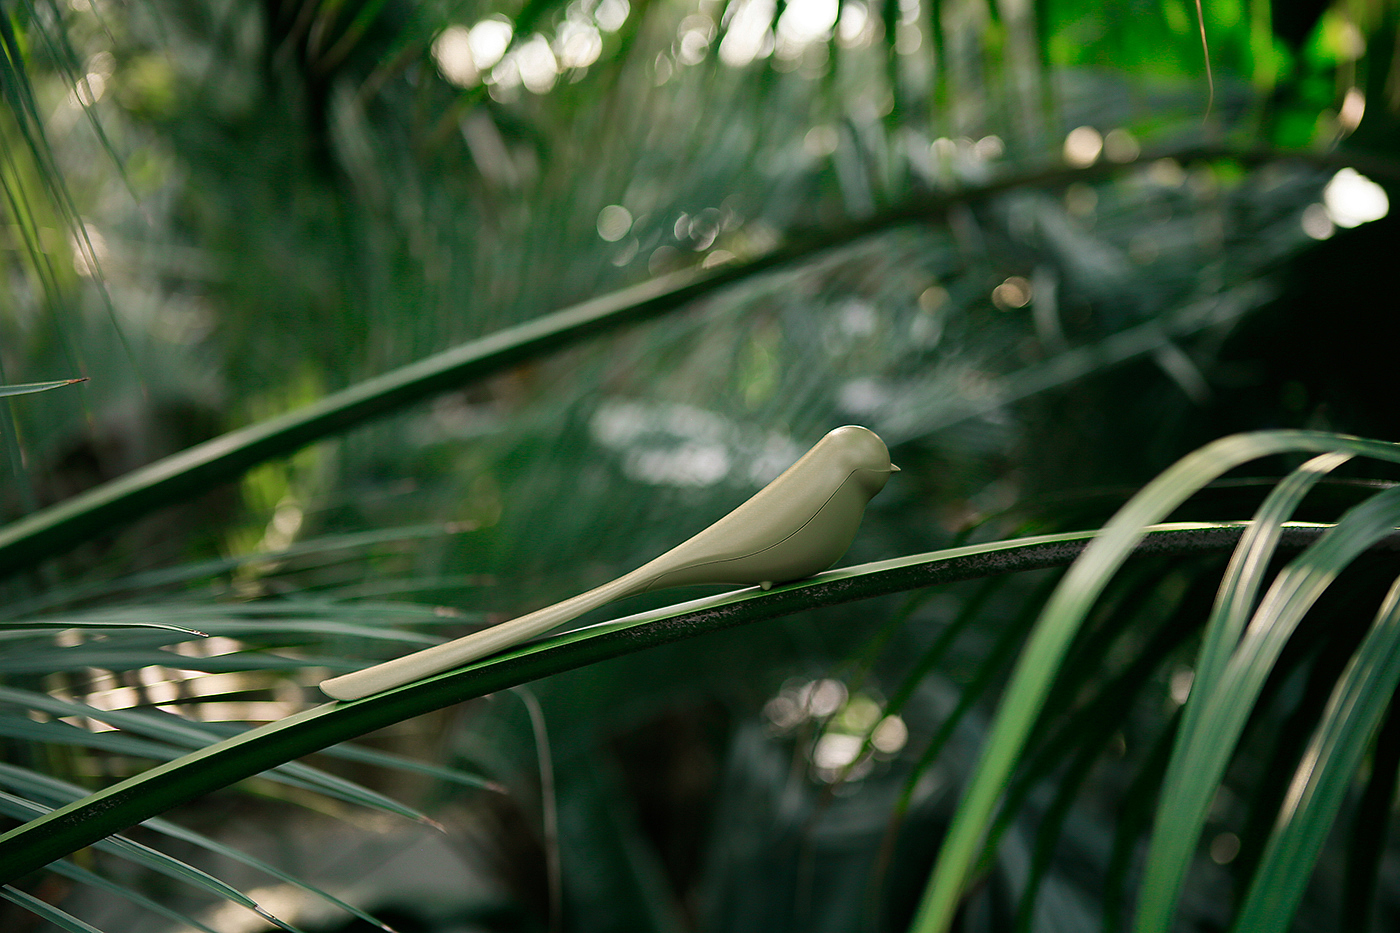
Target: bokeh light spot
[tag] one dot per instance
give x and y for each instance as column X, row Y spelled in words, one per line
column 489, row 40
column 611, row 14
column 88, row 251
column 748, row 36
column 821, row 141
column 836, row 750
column 890, row 735
column 664, row 69
column 1081, row 200
column 1082, row 146
column 822, row 698
column 1015, row 292
column 627, row 253
column 1352, row 110
column 1316, row 223
column 933, row 298
column 613, row 222
column 452, row 51
column 663, row 259
column 908, row 39
column 1121, row 146
column 1224, row 848
column 783, row 712
column 988, row 148
column 1352, row 199
column 89, row 89
column 537, row 64
column 578, row 45
column 861, row 713
column 853, row 28
column 1168, row 173
column 1180, row 686
column 697, row 32
column 804, row 22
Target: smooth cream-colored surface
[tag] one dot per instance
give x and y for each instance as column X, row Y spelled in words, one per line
column 797, row 525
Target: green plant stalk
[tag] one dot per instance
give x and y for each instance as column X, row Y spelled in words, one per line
column 84, row 822
column 53, row 530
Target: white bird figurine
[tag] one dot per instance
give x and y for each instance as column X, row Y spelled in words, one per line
column 798, row 525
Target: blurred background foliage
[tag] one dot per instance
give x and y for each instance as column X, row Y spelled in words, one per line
column 220, row 211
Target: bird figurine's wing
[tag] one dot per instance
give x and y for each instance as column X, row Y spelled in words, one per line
column 799, row 524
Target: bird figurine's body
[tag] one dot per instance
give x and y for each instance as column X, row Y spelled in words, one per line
column 798, row 525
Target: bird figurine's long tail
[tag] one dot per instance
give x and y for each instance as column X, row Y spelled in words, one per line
column 797, row 525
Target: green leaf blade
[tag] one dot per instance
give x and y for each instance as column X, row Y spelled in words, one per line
column 33, row 387
column 1063, row 615
column 1196, row 770
column 1324, row 775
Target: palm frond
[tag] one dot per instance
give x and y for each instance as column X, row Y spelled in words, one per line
column 252, row 752
column 1062, row 618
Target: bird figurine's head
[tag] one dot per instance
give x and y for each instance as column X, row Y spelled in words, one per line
column 863, row 453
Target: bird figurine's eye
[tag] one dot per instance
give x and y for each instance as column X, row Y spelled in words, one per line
column 798, row 525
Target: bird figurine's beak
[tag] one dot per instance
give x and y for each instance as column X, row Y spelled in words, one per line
column 893, row 468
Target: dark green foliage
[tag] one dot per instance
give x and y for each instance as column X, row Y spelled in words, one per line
column 314, row 275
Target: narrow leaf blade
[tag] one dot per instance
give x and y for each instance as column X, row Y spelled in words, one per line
column 32, row 387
